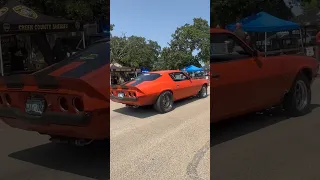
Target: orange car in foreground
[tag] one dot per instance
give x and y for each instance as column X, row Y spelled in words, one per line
column 68, row 101
column 243, row 81
column 159, row 88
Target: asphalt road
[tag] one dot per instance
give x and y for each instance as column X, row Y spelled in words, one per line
column 30, row 156
column 148, row 145
column 268, row 147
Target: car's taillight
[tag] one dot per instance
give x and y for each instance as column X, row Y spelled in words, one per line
column 63, row 102
column 78, row 104
column 132, row 94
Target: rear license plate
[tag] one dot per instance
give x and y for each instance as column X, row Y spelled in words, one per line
column 121, row 95
column 35, row 106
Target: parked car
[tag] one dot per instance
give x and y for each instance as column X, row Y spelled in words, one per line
column 160, row 89
column 68, row 101
column 244, row 81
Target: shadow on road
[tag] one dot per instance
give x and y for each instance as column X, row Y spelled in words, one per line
column 148, row 111
column 92, row 161
column 230, row 129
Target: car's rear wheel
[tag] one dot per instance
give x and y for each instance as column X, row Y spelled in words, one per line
column 164, row 102
column 297, row 101
column 203, row 92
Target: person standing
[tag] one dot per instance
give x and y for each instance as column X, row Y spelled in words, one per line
column 18, row 55
column 59, row 51
column 240, row 33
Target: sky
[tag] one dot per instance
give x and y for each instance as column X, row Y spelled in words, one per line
column 155, row 19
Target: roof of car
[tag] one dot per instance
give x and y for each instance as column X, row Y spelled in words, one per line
column 219, row 30
column 165, row 71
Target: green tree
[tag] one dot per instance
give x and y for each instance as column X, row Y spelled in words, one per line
column 111, row 27
column 224, row 12
column 174, row 59
column 119, row 48
column 84, row 10
column 189, row 45
column 134, row 51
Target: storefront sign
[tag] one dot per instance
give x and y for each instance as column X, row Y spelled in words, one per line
column 40, row 27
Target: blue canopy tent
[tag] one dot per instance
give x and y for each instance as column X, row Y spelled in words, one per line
column 145, row 70
column 192, row 68
column 264, row 22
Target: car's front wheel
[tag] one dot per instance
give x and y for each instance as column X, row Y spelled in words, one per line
column 164, row 102
column 297, row 101
column 203, row 92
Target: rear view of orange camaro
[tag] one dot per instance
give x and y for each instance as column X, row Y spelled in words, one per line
column 68, row 101
column 160, row 89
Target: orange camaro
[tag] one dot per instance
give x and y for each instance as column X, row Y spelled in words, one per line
column 244, row 81
column 159, row 88
column 68, row 101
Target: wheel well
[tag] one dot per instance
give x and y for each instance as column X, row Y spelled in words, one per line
column 206, row 84
column 307, row 72
column 161, row 93
column 166, row 90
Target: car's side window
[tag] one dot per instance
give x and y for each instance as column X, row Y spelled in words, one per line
column 178, row 76
column 227, row 47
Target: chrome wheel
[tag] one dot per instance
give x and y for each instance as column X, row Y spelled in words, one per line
column 166, row 101
column 301, row 95
column 204, row 91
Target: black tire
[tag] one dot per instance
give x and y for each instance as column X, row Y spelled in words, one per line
column 203, row 93
column 293, row 104
column 164, row 102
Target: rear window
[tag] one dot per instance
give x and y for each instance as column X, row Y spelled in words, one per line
column 147, row 77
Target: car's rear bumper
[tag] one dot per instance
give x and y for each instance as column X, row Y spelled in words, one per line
column 125, row 99
column 47, row 117
column 138, row 101
column 95, row 125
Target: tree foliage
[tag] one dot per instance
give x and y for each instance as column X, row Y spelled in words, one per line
column 309, row 4
column 134, row 51
column 189, row 45
column 224, row 12
column 84, row 10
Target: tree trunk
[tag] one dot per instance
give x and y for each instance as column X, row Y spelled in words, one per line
column 41, row 41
